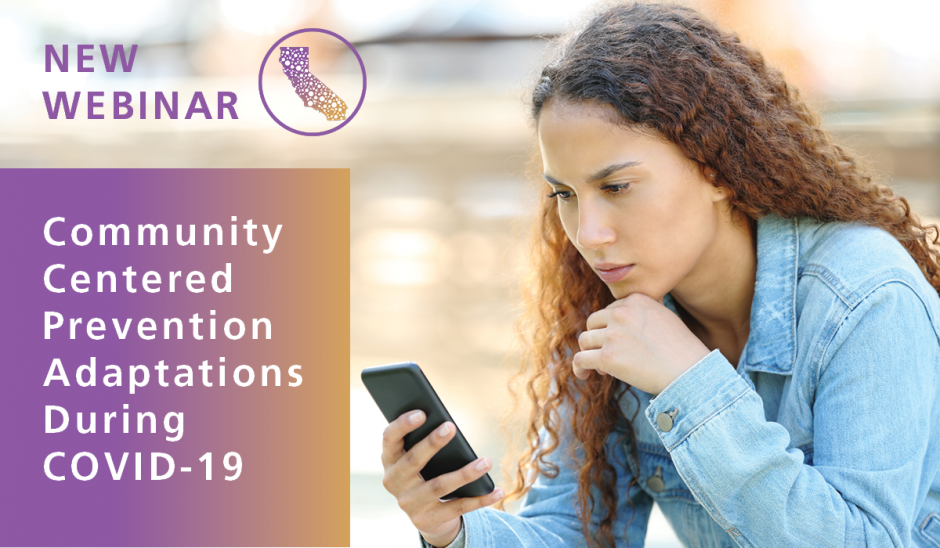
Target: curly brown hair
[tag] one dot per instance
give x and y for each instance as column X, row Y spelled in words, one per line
column 668, row 70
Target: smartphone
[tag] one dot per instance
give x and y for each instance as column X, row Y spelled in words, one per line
column 401, row 387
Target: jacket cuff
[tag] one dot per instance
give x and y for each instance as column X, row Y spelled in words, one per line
column 694, row 397
column 458, row 542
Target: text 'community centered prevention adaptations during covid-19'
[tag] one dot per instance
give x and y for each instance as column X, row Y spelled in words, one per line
column 130, row 378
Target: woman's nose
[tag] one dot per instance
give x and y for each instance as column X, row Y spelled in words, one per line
column 594, row 230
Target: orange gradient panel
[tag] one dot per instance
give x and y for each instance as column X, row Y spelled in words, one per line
column 293, row 441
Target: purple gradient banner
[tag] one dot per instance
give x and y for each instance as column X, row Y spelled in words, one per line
column 277, row 449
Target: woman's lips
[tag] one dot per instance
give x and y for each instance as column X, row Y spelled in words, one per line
column 612, row 273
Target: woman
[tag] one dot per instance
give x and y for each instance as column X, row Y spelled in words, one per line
column 743, row 327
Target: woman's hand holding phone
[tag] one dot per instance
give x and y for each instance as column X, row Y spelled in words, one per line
column 438, row 522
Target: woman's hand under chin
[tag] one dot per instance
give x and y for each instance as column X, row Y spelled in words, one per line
column 639, row 341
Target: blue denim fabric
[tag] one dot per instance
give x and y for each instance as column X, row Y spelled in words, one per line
column 824, row 435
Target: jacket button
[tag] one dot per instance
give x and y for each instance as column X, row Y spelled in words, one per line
column 655, row 482
column 664, row 421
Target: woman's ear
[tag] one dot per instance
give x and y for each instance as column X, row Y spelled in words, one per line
column 718, row 192
column 722, row 193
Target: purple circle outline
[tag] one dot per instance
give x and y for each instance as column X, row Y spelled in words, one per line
column 264, row 62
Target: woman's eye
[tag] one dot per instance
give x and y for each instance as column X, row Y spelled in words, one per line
column 563, row 194
column 615, row 189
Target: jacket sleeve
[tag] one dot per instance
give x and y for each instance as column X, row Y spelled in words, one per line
column 548, row 516
column 871, row 420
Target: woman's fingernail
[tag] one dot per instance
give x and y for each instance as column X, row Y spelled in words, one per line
column 497, row 494
column 483, row 464
column 443, row 431
column 415, row 417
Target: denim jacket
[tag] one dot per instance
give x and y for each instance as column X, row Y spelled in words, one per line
column 826, row 433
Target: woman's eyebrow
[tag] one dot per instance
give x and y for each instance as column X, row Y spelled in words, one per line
column 607, row 171
column 551, row 180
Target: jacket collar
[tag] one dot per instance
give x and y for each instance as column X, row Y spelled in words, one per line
column 771, row 342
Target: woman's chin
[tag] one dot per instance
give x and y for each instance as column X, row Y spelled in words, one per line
column 622, row 290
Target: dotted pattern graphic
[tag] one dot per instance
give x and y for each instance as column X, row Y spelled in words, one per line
column 313, row 92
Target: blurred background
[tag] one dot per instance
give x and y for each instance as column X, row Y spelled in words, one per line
column 438, row 152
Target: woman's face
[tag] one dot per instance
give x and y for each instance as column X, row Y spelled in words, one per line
column 642, row 215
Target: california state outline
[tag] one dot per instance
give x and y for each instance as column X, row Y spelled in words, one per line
column 313, row 92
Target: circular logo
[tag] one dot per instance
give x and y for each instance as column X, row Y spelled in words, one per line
column 306, row 96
